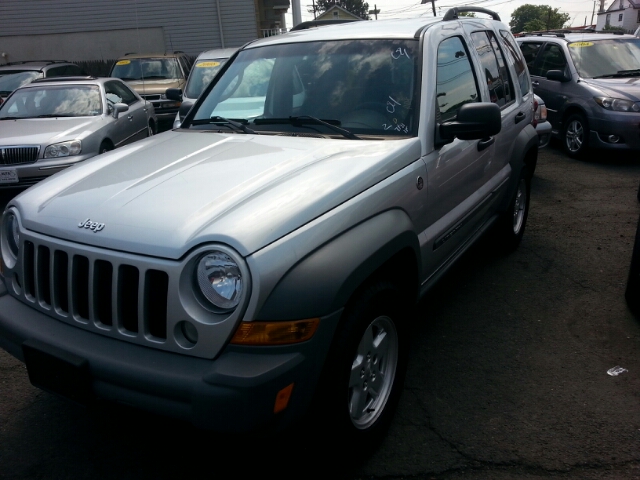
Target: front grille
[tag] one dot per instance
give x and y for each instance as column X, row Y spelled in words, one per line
column 126, row 299
column 19, row 155
column 151, row 97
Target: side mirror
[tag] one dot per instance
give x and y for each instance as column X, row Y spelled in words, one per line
column 558, row 75
column 119, row 108
column 184, row 109
column 474, row 121
column 174, row 94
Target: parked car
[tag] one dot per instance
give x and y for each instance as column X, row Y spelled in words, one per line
column 632, row 292
column 590, row 83
column 51, row 124
column 543, row 127
column 241, row 272
column 206, row 66
column 17, row 74
column 151, row 74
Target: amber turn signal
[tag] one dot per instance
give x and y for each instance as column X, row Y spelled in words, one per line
column 282, row 398
column 275, row 333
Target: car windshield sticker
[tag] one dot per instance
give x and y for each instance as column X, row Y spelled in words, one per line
column 580, row 44
column 123, row 62
column 207, row 64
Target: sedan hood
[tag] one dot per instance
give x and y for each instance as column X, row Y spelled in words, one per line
column 41, row 131
column 168, row 194
column 625, row 88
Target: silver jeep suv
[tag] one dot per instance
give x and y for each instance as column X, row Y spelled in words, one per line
column 262, row 261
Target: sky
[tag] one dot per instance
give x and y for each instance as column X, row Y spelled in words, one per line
column 579, row 10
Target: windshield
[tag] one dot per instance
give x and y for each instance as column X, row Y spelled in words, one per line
column 605, row 57
column 146, row 69
column 53, row 101
column 201, row 76
column 365, row 86
column 8, row 83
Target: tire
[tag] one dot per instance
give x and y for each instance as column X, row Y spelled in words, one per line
column 364, row 373
column 105, row 146
column 511, row 225
column 632, row 292
column 576, row 135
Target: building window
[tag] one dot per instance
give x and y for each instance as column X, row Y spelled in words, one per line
column 336, row 14
column 608, row 20
column 620, row 17
column 638, row 16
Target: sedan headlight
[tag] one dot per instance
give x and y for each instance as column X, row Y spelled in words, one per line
column 10, row 239
column 220, row 280
column 618, row 104
column 63, row 149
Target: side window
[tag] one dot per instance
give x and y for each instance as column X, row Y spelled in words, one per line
column 74, row 71
column 117, row 92
column 455, row 81
column 516, row 58
column 185, row 66
column 530, row 51
column 551, row 58
column 57, row 72
column 495, row 72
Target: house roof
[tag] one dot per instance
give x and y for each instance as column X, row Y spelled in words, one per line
column 329, row 13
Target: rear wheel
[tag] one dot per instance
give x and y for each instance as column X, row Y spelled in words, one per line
column 510, row 227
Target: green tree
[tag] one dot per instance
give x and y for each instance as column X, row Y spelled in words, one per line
column 357, row 7
column 539, row 17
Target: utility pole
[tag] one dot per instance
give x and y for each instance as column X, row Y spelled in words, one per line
column 549, row 19
column 375, row 11
column 433, row 5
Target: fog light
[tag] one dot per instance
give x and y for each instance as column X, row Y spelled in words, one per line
column 613, row 138
column 190, row 332
column 282, row 398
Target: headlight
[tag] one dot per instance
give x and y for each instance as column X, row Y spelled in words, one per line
column 63, row 149
column 220, row 280
column 10, row 240
column 618, row 104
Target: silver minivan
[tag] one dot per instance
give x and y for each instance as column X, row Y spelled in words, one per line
column 590, row 83
column 206, row 66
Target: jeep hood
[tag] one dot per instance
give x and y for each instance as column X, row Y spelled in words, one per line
column 167, row 194
column 626, row 88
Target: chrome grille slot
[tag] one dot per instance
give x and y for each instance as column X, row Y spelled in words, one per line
column 95, row 291
column 18, row 155
column 151, row 96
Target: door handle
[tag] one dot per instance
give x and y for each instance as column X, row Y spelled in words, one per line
column 520, row 116
column 130, row 117
column 485, row 143
column 535, row 83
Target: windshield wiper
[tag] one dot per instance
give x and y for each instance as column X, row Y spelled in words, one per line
column 54, row 115
column 224, row 122
column 12, row 118
column 302, row 120
column 622, row 73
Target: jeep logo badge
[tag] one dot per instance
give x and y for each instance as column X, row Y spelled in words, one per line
column 95, row 226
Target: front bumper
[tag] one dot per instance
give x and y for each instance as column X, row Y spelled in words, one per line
column 233, row 393
column 624, row 125
column 31, row 173
column 165, row 110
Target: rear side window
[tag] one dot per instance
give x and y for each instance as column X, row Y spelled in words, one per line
column 530, row 51
column 551, row 58
column 495, row 69
column 516, row 58
column 456, row 83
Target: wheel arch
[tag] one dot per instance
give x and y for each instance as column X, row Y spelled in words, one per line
column 325, row 280
column 524, row 155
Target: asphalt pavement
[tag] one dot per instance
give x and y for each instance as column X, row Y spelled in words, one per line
column 507, row 376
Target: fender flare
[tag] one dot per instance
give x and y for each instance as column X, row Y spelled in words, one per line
column 323, row 281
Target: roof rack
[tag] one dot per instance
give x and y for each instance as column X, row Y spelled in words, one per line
column 565, row 31
column 452, row 13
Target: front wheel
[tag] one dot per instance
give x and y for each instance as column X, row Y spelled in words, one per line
column 364, row 374
column 576, row 135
